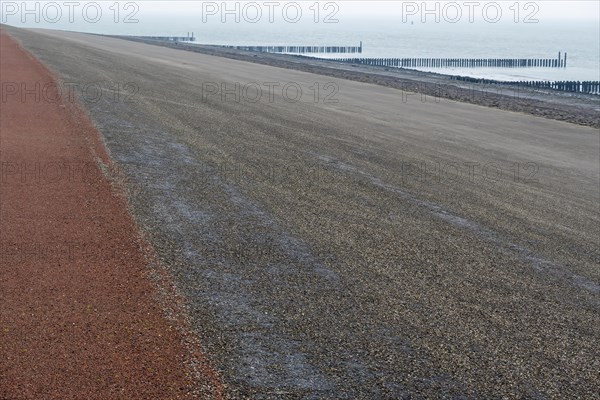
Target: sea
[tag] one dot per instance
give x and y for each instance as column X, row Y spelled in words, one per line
column 387, row 29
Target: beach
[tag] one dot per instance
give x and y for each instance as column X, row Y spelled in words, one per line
column 331, row 231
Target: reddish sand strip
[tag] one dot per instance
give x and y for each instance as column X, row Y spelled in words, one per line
column 78, row 315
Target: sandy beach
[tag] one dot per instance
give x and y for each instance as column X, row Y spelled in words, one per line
column 331, row 233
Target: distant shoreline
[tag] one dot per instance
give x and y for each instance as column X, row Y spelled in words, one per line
column 577, row 108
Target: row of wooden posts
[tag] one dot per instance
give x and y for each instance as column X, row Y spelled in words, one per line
column 188, row 38
column 559, row 62
column 301, row 49
column 588, row 87
column 459, row 62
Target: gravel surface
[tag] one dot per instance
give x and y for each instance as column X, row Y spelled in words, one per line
column 577, row 108
column 79, row 316
column 329, row 249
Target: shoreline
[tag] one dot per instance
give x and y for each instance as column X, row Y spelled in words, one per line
column 576, row 108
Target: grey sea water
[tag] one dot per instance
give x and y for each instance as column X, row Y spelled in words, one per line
column 538, row 30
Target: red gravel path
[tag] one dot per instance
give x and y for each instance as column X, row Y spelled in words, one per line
column 78, row 319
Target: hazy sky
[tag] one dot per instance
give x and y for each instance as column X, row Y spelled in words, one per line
column 588, row 9
column 552, row 9
column 210, row 13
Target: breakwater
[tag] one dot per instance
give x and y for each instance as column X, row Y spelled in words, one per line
column 301, row 49
column 559, row 62
column 587, row 87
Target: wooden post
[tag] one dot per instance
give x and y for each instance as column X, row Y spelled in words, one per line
column 559, row 58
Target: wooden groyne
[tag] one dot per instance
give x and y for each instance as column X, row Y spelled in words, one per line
column 587, row 87
column 188, row 38
column 460, row 62
column 301, row 49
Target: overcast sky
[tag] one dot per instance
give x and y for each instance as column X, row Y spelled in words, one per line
column 551, row 9
column 150, row 13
